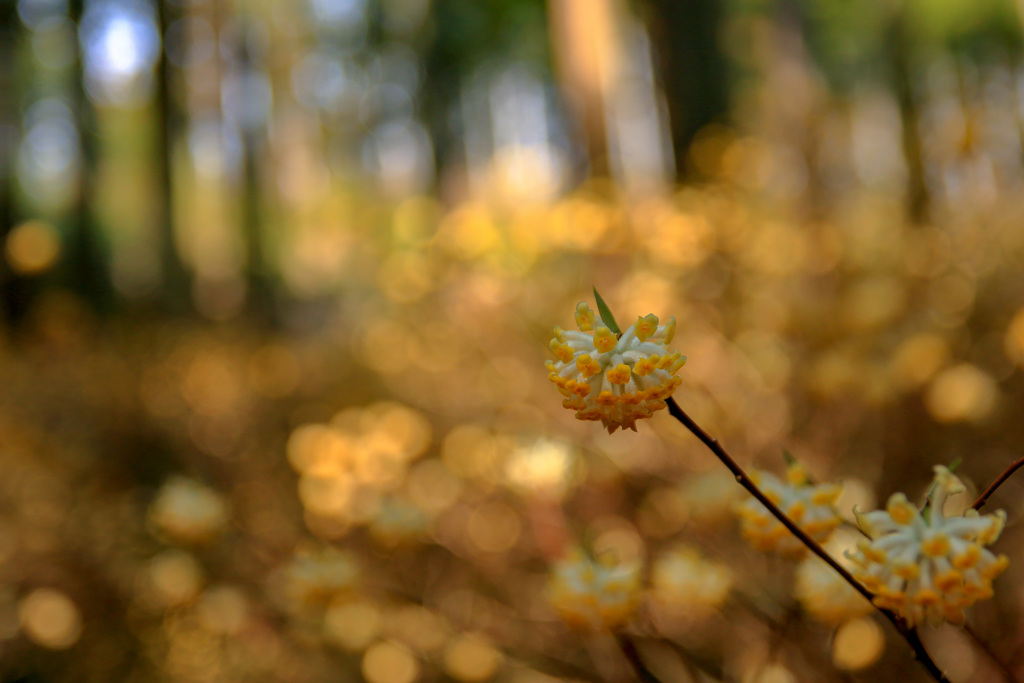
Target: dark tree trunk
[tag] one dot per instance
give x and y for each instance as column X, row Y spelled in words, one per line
column 84, row 264
column 1014, row 65
column 898, row 47
column 691, row 67
column 14, row 290
column 259, row 290
column 175, row 290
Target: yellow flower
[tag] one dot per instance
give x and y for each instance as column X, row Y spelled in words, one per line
column 826, row 595
column 594, row 594
column 684, row 580
column 810, row 506
column 398, row 521
column 315, row 576
column 617, row 379
column 710, row 497
column 928, row 567
column 546, row 469
column 186, row 511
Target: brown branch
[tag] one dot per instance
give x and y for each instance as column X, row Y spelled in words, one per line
column 632, row 655
column 697, row 666
column 908, row 632
column 983, row 498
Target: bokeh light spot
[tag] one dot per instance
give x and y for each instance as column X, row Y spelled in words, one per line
column 769, row 673
column 32, row 247
column 962, row 393
column 224, row 609
column 616, row 537
column 1014, row 341
column 389, row 662
column 494, row 527
column 352, row 624
column 858, row 644
column 471, row 657
column 545, row 469
column 918, row 359
column 418, row 627
column 176, row 576
column 432, row 485
column 50, row 619
column 470, row 451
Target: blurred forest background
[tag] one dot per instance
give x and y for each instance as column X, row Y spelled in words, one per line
column 277, row 280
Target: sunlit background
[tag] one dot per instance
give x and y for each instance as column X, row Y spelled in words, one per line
column 277, row 281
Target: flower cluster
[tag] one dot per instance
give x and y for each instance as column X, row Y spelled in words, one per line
column 811, row 506
column 682, row 578
column 317, row 575
column 397, row 522
column 826, row 595
column 923, row 565
column 594, row 594
column 617, row 379
column 546, row 469
column 185, row 511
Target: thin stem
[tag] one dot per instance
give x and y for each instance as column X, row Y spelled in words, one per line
column 751, row 487
column 983, row 498
column 908, row 633
column 811, row 653
column 628, row 648
column 695, row 665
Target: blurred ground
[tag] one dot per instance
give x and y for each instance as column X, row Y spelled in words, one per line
column 278, row 298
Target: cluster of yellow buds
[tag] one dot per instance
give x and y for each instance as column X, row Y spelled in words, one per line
column 826, row 595
column 683, row 579
column 918, row 563
column 185, row 511
column 923, row 565
column 316, row 575
column 617, row 379
column 398, row 521
column 811, row 506
column 594, row 593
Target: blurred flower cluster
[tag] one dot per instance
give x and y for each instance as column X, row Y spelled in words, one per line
column 811, row 506
column 277, row 288
column 352, row 470
column 925, row 565
column 384, row 484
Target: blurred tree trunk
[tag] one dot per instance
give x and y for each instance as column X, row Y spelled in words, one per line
column 805, row 103
column 902, row 82
column 1014, row 57
column 585, row 49
column 84, row 264
column 260, row 300
column 691, row 67
column 175, row 290
column 1016, row 73
column 13, row 288
column 259, row 291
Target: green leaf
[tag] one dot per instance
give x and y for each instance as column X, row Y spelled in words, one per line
column 788, row 457
column 606, row 314
column 926, row 509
